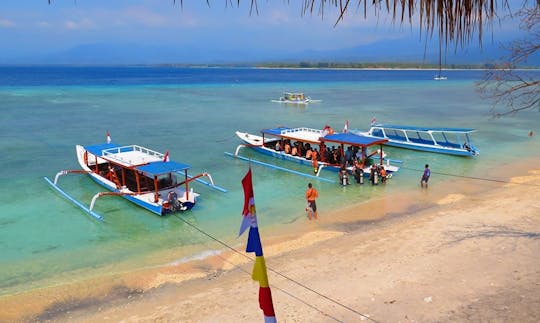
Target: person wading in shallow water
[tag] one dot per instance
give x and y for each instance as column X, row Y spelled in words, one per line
column 311, row 195
column 425, row 176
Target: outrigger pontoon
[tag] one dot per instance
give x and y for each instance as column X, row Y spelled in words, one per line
column 318, row 141
column 140, row 175
column 452, row 141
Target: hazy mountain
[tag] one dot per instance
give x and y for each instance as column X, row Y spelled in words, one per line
column 403, row 51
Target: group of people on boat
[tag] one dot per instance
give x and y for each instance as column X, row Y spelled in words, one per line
column 351, row 160
column 297, row 148
column 377, row 173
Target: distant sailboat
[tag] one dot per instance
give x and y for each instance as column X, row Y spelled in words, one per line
column 439, row 76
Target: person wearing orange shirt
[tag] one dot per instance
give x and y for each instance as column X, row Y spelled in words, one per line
column 311, row 195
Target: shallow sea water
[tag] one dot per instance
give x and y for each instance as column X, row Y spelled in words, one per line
column 194, row 114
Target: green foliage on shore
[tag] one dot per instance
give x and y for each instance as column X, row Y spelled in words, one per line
column 371, row 65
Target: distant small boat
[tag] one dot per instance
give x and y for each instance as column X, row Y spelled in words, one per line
column 140, row 175
column 295, row 98
column 452, row 141
column 439, row 76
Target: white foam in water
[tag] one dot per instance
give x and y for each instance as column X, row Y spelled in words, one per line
column 199, row 256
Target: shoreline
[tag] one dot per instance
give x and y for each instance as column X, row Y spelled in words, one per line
column 113, row 293
column 261, row 66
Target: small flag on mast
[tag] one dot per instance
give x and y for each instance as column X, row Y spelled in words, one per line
column 108, row 137
column 254, row 245
column 166, row 157
column 373, row 120
column 346, row 128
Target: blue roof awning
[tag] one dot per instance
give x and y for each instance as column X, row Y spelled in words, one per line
column 425, row 129
column 161, row 167
column 354, row 140
column 275, row 131
column 98, row 149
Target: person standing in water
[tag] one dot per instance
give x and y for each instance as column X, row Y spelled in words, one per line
column 311, row 195
column 425, row 176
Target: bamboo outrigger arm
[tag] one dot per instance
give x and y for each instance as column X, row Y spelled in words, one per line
column 68, row 171
column 100, row 194
column 197, row 178
column 242, row 146
column 319, row 170
column 73, row 200
column 238, row 149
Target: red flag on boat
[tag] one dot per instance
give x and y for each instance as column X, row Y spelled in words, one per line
column 166, row 157
column 108, row 137
column 346, row 128
column 373, row 120
column 254, row 245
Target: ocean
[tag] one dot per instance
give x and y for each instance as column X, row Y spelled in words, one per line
column 194, row 113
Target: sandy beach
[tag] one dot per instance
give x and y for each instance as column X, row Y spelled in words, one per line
column 463, row 251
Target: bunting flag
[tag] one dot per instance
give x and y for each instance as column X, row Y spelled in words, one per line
column 254, row 245
column 346, row 128
column 166, row 157
column 108, row 135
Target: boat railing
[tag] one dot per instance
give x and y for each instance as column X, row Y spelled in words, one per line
column 116, row 150
column 302, row 129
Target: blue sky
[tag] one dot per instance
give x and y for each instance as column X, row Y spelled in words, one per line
column 161, row 31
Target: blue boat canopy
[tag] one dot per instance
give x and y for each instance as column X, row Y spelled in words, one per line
column 99, row 148
column 424, row 129
column 354, row 140
column 275, row 131
column 161, row 167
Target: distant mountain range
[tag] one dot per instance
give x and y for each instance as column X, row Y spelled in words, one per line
column 398, row 51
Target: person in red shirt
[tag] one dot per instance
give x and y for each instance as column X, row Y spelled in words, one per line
column 311, row 195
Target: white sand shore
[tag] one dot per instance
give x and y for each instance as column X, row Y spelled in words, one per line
column 439, row 255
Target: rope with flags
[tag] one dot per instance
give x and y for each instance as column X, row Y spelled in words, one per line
column 254, row 245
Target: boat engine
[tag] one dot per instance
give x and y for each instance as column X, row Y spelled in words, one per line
column 174, row 204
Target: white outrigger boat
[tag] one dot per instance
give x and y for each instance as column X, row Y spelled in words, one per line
column 295, row 98
column 142, row 176
column 452, row 141
column 319, row 141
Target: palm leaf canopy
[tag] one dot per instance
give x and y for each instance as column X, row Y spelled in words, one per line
column 454, row 20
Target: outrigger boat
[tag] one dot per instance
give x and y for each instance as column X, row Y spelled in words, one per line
column 319, row 141
column 452, row 141
column 295, row 98
column 141, row 175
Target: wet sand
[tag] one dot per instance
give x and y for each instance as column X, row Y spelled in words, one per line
column 462, row 251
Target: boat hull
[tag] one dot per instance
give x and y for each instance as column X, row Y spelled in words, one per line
column 433, row 149
column 255, row 143
column 450, row 148
column 144, row 200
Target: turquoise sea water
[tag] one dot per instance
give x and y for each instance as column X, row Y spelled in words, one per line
column 193, row 113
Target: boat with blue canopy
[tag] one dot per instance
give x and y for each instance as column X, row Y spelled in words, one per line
column 320, row 148
column 452, row 141
column 141, row 175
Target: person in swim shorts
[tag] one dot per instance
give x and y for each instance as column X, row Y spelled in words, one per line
column 311, row 195
column 425, row 176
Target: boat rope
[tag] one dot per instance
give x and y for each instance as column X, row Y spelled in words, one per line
column 505, row 181
column 364, row 316
column 280, row 289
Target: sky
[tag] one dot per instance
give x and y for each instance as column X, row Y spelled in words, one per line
column 160, row 31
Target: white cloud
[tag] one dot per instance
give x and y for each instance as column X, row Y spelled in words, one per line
column 152, row 19
column 6, row 23
column 43, row 24
column 80, row 24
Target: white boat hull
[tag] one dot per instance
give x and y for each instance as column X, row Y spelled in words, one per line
column 144, row 199
column 255, row 142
